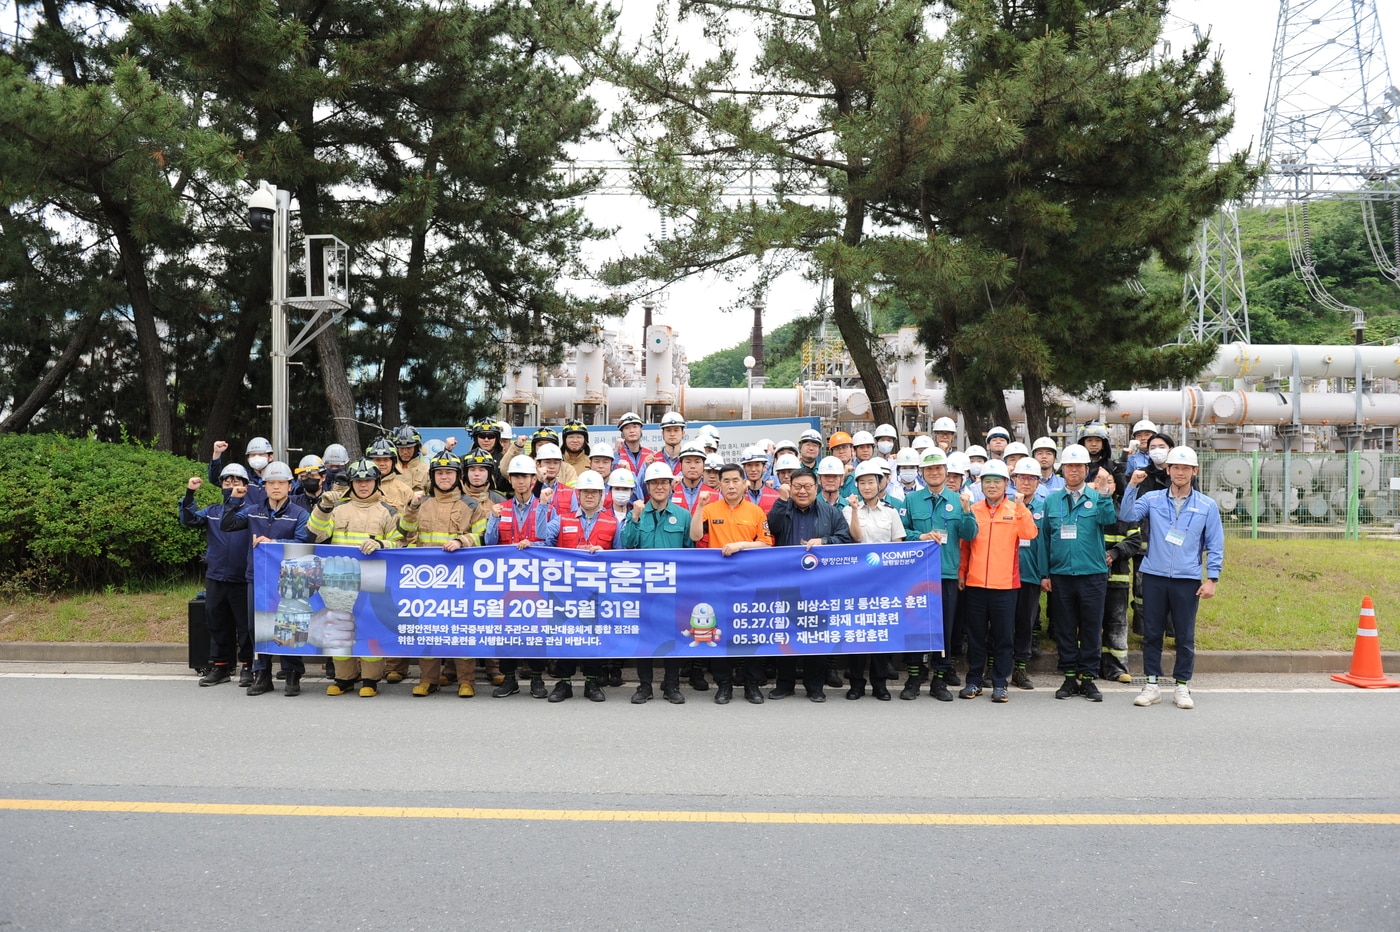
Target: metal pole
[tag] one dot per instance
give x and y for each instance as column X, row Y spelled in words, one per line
column 1254, row 492
column 280, row 387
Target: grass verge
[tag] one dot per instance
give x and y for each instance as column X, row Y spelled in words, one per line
column 1274, row 595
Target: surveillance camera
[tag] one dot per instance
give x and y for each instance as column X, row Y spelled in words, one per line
column 262, row 205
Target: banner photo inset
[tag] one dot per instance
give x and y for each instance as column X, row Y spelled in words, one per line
column 543, row 602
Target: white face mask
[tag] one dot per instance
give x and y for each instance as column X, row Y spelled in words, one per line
column 975, row 469
column 907, row 474
column 259, row 463
column 885, row 446
column 1158, row 456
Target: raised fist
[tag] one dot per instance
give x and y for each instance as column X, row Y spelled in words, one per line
column 219, row 447
column 853, row 500
column 1139, row 475
column 194, row 483
column 238, row 492
column 703, row 498
column 496, row 510
column 449, row 444
column 416, row 500
column 546, row 495
column 637, row 508
column 784, row 491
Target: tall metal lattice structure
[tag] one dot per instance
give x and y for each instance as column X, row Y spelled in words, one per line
column 1214, row 287
column 1332, row 130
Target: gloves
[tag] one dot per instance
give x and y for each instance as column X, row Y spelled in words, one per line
column 370, row 546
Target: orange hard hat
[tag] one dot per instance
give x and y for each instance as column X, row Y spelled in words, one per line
column 837, row 439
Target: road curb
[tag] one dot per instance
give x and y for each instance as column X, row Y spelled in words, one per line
column 1207, row 661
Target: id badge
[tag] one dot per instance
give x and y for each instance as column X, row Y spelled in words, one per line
column 1175, row 538
column 1069, row 532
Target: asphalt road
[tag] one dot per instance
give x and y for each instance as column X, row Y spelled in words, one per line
column 1039, row 814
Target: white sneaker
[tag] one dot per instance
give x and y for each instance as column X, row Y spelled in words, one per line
column 1151, row 695
column 1182, row 697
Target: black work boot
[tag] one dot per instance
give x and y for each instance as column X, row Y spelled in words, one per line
column 293, row 685
column 262, row 683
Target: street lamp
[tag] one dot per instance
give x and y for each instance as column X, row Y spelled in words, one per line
column 749, row 363
column 269, row 209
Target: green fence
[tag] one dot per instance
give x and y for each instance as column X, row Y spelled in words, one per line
column 1268, row 494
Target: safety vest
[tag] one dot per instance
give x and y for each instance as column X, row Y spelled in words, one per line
column 572, row 537
column 633, row 461
column 563, row 502
column 766, row 499
column 506, row 529
column 678, row 496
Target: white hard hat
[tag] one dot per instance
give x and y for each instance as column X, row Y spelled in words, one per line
column 957, row 462
column 994, row 469
column 787, row 461
column 755, row 455
column 886, row 430
column 870, row 467
column 673, row 419
column 1074, row 454
column 1181, row 456
column 713, row 461
column 310, row 461
column 622, row 479
column 602, row 448
column 785, row 445
column 1045, row 443
column 1026, row 467
column 548, row 451
column 235, row 470
column 658, row 470
column 258, row 445
column 1015, row 448
column 977, row 450
column 936, row 457
column 764, row 444
column 999, row 432
column 945, row 425
column 885, row 465
column 815, row 436
column 831, row 466
column 708, row 440
column 709, row 429
column 922, row 442
column 907, row 457
column 589, row 480
column 521, row 465
column 631, row 417
column 1143, row 425
column 277, row 470
column 692, row 448
column 507, row 433
column 336, row 455
column 861, row 438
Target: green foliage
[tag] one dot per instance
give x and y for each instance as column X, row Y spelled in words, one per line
column 84, row 513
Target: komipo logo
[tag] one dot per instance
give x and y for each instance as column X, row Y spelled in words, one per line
column 872, row 559
column 809, row 561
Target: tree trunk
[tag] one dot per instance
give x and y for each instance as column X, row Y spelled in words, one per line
column 24, row 412
column 1037, row 418
column 405, row 332
column 143, row 317
column 339, row 399
column 231, row 382
column 853, row 329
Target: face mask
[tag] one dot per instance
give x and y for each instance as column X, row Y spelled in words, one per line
column 311, row 486
column 1158, row 456
column 259, row 463
column 885, row 446
column 975, row 469
column 908, row 474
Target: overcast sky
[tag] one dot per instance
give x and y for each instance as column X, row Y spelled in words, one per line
column 1242, row 29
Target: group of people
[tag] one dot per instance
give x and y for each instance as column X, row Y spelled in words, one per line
column 1013, row 522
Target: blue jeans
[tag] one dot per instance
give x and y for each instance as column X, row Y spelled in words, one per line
column 1159, row 594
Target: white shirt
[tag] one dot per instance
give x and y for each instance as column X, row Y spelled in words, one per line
column 878, row 525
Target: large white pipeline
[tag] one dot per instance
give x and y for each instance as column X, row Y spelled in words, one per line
column 1270, row 361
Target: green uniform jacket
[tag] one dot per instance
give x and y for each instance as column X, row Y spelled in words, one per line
column 658, row 529
column 1032, row 552
column 946, row 514
column 1082, row 554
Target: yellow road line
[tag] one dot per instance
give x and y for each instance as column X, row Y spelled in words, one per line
column 751, row 818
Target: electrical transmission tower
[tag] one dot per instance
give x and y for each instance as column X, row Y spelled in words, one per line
column 1214, row 288
column 1332, row 130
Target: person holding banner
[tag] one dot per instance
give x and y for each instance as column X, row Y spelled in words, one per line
column 520, row 522
column 991, row 580
column 589, row 529
column 936, row 513
column 655, row 523
column 446, row 520
column 872, row 521
column 361, row 519
column 733, row 524
column 801, row 519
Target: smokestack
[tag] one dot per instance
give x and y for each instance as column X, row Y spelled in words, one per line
column 756, row 339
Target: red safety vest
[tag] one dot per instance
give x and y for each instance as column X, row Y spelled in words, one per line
column 571, row 536
column 767, row 498
column 506, row 529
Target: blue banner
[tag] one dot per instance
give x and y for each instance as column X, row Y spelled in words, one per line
column 543, row 602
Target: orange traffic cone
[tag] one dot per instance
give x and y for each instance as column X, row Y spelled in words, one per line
column 1366, row 656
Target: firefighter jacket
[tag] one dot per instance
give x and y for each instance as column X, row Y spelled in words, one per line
column 352, row 521
column 1124, row 541
column 448, row 516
